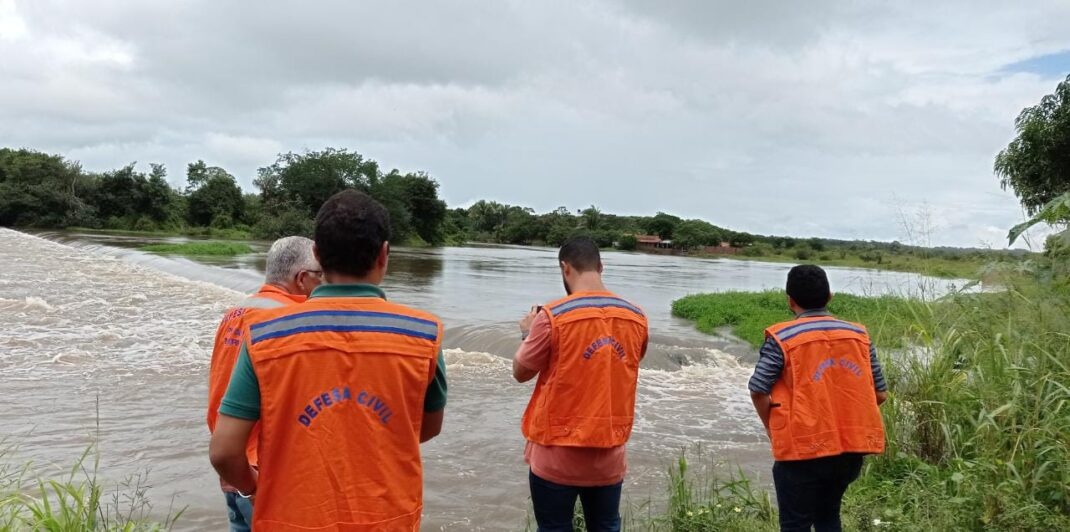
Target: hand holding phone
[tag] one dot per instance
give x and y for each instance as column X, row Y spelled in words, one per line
column 527, row 320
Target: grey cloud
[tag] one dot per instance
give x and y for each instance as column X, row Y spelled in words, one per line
column 823, row 118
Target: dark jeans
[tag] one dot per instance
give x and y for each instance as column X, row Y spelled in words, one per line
column 809, row 492
column 240, row 512
column 555, row 504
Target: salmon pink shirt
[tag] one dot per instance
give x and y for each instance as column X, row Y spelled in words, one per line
column 569, row 466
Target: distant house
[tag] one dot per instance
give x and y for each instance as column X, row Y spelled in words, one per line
column 653, row 244
column 648, row 241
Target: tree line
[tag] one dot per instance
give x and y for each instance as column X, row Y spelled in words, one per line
column 45, row 190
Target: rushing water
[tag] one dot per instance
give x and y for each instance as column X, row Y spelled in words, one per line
column 86, row 317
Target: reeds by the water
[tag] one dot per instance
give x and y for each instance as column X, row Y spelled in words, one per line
column 978, row 423
column 75, row 501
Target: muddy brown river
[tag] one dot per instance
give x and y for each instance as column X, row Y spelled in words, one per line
column 87, row 320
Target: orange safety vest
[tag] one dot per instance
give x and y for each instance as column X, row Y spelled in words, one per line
column 586, row 397
column 228, row 342
column 825, row 402
column 342, row 386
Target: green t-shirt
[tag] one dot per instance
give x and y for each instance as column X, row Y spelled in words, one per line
column 242, row 399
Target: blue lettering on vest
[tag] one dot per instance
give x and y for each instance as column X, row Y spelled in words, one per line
column 336, row 396
column 602, row 342
column 844, row 363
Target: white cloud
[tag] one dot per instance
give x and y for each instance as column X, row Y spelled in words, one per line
column 808, row 118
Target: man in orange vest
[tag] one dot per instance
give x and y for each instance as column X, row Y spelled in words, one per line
column 291, row 272
column 817, row 388
column 585, row 349
column 345, row 386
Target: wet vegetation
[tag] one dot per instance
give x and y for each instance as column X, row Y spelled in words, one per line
column 74, row 501
column 979, row 414
column 200, row 249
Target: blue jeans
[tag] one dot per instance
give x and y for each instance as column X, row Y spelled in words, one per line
column 240, row 512
column 555, row 504
column 809, row 492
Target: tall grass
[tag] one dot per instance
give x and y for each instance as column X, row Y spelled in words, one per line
column 978, row 422
column 75, row 501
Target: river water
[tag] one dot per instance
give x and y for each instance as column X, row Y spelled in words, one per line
column 101, row 342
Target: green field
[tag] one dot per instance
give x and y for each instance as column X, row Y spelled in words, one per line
column 890, row 319
column 200, row 249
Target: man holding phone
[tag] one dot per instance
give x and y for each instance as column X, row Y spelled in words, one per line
column 585, row 350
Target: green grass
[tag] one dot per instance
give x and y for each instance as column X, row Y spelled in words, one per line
column 74, row 501
column 211, row 232
column 977, row 423
column 965, row 268
column 890, row 319
column 200, row 249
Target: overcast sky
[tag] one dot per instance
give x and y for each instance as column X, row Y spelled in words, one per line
column 827, row 118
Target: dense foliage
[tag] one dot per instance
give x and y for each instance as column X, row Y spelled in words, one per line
column 1036, row 164
column 45, row 190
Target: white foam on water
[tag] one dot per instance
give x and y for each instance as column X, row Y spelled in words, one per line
column 68, row 308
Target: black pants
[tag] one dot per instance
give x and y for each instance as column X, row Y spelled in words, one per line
column 554, row 505
column 809, row 492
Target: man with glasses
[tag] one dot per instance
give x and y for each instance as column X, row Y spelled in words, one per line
column 291, row 274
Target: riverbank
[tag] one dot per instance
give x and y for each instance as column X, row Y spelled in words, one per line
column 967, row 266
column 961, row 268
column 979, row 413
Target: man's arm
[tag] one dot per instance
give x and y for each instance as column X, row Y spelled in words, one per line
column 879, row 383
column 763, row 404
column 432, row 425
column 227, row 452
column 435, row 401
column 238, row 413
column 534, row 353
column 766, row 372
column 522, row 373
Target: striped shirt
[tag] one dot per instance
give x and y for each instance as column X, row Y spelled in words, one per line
column 771, row 362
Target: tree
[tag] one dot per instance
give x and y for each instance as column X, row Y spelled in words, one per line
column 1036, row 164
column 488, row 216
column 215, row 199
column 628, row 243
column 426, row 210
column 159, row 200
column 740, row 240
column 592, row 218
column 42, row 189
column 661, row 224
column 309, row 179
column 521, row 226
column 694, row 233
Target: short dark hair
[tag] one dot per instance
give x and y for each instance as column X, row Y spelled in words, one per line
column 350, row 230
column 808, row 286
column 580, row 252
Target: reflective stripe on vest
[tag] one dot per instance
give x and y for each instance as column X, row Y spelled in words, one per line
column 586, row 397
column 344, row 321
column 825, row 402
column 342, row 385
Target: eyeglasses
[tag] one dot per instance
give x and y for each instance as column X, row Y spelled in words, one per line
column 317, row 273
